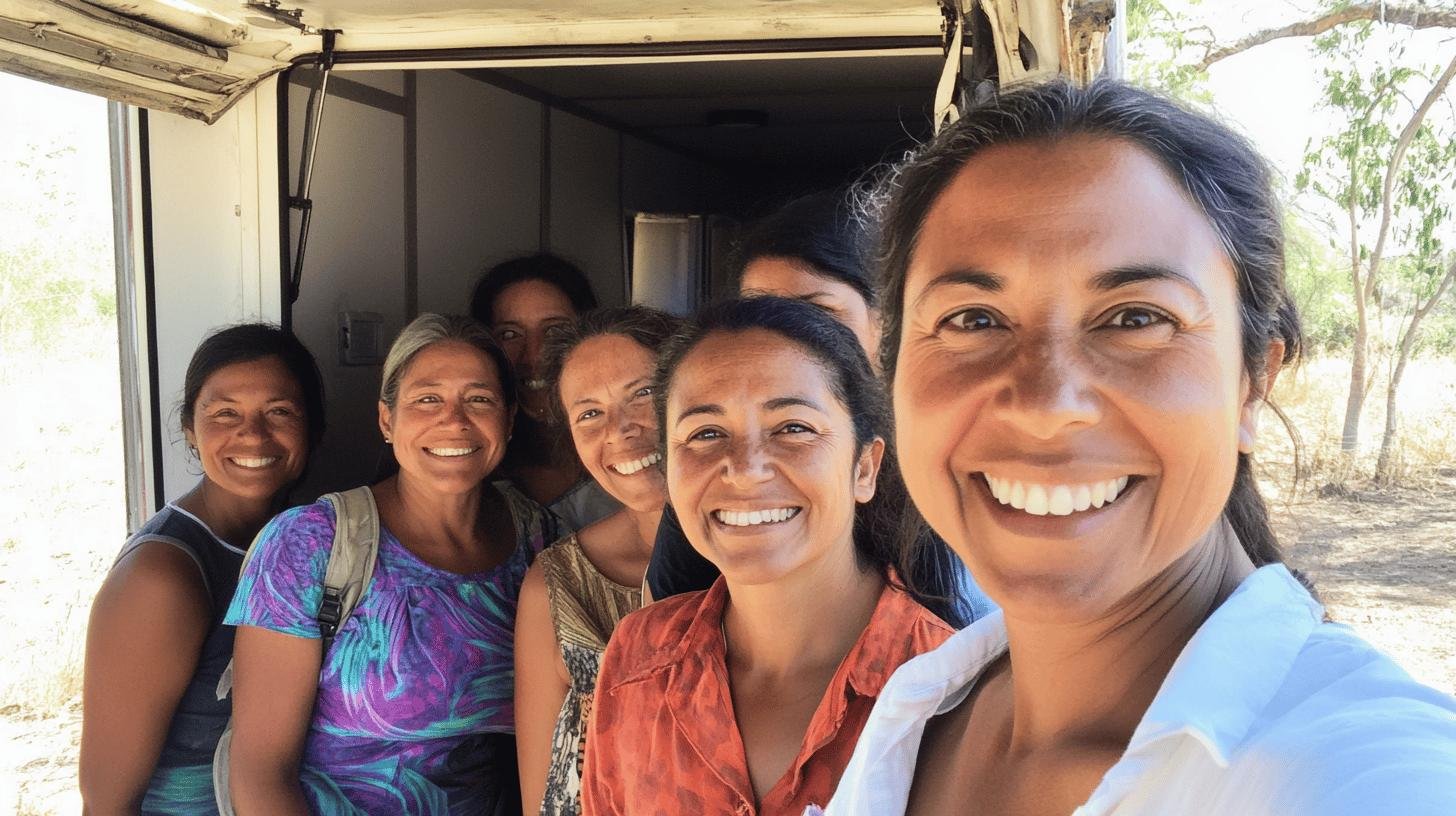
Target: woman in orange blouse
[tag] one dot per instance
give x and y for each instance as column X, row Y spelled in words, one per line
column 748, row 698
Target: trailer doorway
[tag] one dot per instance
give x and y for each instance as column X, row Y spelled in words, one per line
column 423, row 177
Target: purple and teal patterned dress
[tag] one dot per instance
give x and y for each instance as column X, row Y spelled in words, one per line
column 417, row 690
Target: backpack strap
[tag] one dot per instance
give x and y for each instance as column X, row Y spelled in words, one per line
column 351, row 567
column 351, row 559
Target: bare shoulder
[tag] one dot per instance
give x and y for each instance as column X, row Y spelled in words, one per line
column 156, row 581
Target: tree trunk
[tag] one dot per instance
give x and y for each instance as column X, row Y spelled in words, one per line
column 1350, row 436
column 1407, row 345
column 1387, row 440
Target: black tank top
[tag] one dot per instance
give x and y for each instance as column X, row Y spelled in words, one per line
column 200, row 718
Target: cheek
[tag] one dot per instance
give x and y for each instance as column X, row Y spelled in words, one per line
column 588, row 444
column 936, row 403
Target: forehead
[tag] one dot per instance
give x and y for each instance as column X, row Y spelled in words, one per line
column 749, row 367
column 450, row 360
column 531, row 300
column 1077, row 204
column 265, row 375
column 790, row 277
column 606, row 360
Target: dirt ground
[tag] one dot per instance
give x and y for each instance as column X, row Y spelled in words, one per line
column 1384, row 562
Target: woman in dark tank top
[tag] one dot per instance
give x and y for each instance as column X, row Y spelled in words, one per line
column 252, row 412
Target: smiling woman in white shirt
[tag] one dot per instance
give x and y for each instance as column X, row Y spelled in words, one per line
column 1085, row 307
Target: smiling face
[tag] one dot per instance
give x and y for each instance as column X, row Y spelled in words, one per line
column 606, row 388
column 449, row 424
column 762, row 464
column 523, row 318
column 1070, row 394
column 249, row 428
column 794, row 279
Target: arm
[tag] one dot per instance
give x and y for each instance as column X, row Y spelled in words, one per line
column 541, row 687
column 275, row 681
column 147, row 627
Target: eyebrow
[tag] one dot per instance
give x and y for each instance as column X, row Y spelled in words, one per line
column 787, row 402
column 963, row 277
column 713, row 410
column 805, row 296
column 1137, row 273
column 481, row 384
column 629, row 386
column 231, row 401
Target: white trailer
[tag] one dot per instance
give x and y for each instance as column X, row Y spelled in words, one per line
column 405, row 146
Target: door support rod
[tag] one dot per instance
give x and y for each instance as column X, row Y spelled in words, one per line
column 314, row 118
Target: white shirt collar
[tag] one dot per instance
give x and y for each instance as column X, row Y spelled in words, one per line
column 1262, row 626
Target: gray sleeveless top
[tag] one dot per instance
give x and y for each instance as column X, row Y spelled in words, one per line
column 178, row 781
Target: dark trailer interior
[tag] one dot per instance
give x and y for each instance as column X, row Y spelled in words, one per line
column 638, row 172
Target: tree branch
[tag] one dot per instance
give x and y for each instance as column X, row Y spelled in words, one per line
column 1393, row 168
column 1423, row 308
column 1414, row 16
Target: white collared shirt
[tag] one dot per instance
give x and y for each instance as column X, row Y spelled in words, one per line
column 1268, row 710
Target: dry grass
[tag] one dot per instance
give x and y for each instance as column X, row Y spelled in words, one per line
column 1313, row 397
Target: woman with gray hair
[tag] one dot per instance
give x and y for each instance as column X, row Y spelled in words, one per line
column 410, row 709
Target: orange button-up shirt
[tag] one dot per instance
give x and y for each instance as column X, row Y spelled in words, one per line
column 663, row 741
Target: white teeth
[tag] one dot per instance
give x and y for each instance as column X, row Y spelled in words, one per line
column 734, row 518
column 1055, row 500
column 534, row 384
column 1082, row 498
column 1059, row 503
column 1018, row 496
column 452, row 451
column 254, row 461
column 1036, row 500
column 637, row 465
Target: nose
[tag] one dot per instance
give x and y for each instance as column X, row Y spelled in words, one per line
column 746, row 463
column 1050, row 389
column 455, row 414
column 624, row 425
column 255, row 425
column 535, row 344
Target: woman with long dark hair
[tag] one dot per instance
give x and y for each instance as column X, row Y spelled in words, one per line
column 1085, row 309
column 812, row 250
column 748, row 697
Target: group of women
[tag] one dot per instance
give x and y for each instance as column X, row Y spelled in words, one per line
column 1080, row 309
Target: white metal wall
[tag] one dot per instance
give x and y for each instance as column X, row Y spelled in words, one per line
column 214, row 220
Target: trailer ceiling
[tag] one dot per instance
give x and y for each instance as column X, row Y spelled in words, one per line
column 831, row 113
column 198, row 57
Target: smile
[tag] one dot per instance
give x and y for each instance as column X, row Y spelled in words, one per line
column 452, row 452
column 637, row 465
column 735, row 518
column 534, row 384
column 1055, row 500
column 252, row 462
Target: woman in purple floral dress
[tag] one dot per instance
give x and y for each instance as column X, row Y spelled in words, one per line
column 410, row 709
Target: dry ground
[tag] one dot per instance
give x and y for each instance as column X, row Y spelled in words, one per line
column 1385, row 563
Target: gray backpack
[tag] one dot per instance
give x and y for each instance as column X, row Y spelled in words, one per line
column 351, row 566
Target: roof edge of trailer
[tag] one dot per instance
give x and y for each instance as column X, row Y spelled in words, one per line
column 197, row 59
